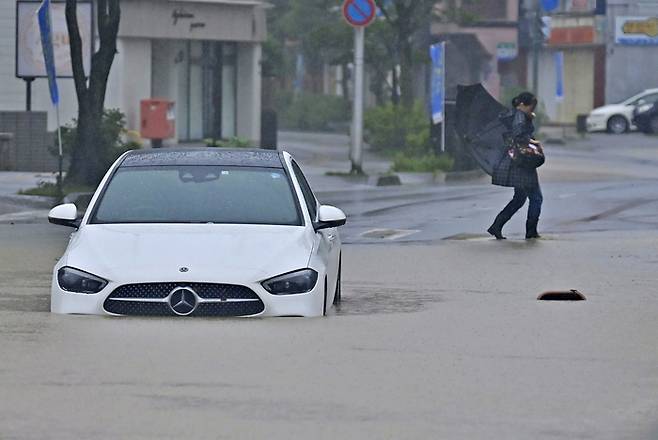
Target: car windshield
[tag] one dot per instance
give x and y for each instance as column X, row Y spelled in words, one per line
column 198, row 194
column 633, row 99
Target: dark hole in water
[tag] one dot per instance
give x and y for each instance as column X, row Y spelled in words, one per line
column 571, row 295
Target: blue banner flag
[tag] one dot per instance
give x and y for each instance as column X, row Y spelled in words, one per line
column 437, row 53
column 45, row 27
column 559, row 79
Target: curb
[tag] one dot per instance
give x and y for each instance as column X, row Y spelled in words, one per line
column 461, row 176
column 24, row 217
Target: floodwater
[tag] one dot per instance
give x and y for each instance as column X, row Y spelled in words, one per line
column 444, row 340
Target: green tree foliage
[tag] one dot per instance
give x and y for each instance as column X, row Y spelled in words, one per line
column 311, row 111
column 405, row 134
column 112, row 140
column 393, row 128
column 314, row 28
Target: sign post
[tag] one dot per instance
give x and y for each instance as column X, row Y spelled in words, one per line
column 45, row 28
column 438, row 55
column 359, row 14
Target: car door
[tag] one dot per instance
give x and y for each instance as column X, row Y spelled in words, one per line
column 639, row 105
column 327, row 239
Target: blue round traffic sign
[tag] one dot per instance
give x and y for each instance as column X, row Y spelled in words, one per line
column 550, row 5
column 359, row 12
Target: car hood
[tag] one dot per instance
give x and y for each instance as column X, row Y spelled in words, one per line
column 612, row 108
column 232, row 254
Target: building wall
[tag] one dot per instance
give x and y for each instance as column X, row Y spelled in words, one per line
column 134, row 64
column 629, row 69
column 196, row 21
column 249, row 91
column 12, row 90
column 496, row 25
column 579, row 86
column 31, row 145
column 142, row 23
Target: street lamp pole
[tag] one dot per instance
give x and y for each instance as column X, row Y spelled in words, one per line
column 536, row 42
column 356, row 155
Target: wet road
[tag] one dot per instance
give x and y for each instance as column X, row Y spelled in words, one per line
column 605, row 183
column 435, row 338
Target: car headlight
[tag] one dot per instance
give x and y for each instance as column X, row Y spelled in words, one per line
column 301, row 281
column 74, row 280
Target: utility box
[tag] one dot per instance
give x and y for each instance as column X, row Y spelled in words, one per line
column 6, row 152
column 581, row 124
column 158, row 120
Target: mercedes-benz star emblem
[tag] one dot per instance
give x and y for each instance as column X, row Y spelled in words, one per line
column 183, row 301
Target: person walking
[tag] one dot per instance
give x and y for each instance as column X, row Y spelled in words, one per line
column 518, row 169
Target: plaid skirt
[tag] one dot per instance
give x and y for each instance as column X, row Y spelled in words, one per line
column 506, row 173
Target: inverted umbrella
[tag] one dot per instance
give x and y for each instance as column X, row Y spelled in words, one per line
column 482, row 123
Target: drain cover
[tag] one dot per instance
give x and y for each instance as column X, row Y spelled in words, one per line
column 570, row 295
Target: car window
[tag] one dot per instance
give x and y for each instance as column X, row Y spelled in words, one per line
column 311, row 201
column 651, row 99
column 198, row 194
column 646, row 99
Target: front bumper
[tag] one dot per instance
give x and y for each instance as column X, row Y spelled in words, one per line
column 597, row 123
column 307, row 305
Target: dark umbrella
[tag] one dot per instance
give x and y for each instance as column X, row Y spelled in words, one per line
column 482, row 123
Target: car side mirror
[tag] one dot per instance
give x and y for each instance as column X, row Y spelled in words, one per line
column 329, row 217
column 64, row 215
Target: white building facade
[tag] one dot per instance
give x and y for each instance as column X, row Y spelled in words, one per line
column 632, row 47
column 205, row 55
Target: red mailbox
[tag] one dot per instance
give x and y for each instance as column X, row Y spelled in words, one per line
column 158, row 119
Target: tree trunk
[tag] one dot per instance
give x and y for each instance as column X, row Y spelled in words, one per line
column 345, row 82
column 87, row 165
column 89, row 152
column 395, row 96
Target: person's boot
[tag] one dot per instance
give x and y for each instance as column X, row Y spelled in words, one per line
column 497, row 228
column 531, row 229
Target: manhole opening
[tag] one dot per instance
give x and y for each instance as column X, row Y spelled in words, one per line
column 571, row 295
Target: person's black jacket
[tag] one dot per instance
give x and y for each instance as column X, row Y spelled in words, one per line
column 523, row 129
column 506, row 173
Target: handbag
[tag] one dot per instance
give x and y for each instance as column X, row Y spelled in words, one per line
column 527, row 156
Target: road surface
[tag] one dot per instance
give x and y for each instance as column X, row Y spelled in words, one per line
column 439, row 334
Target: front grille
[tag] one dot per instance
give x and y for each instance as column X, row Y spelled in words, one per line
column 151, row 299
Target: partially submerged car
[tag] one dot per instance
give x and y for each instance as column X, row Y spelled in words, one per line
column 200, row 232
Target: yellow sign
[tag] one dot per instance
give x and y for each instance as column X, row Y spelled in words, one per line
column 648, row 27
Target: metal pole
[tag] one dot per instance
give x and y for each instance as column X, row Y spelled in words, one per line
column 443, row 96
column 536, row 34
column 356, row 155
column 28, row 94
column 61, row 152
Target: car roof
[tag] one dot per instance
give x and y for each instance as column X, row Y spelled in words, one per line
column 203, row 156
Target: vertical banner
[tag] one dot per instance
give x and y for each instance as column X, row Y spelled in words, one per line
column 45, row 27
column 437, row 53
column 559, row 76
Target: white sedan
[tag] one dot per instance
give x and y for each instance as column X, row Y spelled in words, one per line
column 617, row 118
column 205, row 232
